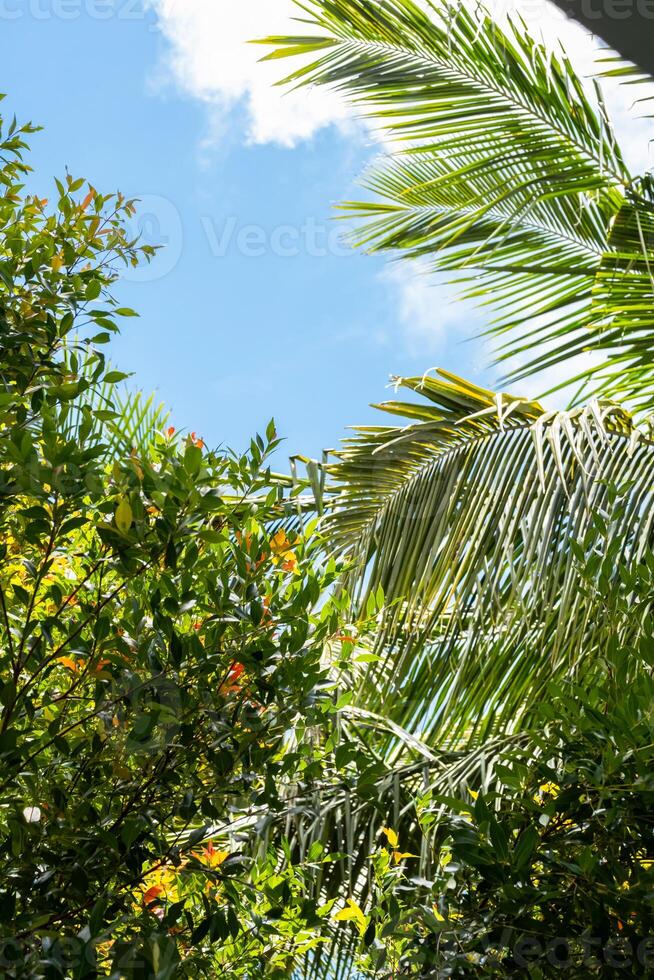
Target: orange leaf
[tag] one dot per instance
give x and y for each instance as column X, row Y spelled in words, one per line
column 70, row 663
column 87, row 200
column 152, row 895
column 231, row 684
column 213, row 857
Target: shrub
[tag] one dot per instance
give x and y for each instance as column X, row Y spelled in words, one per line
column 160, row 643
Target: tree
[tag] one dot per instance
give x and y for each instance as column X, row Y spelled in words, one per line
column 502, row 169
column 475, row 520
column 550, row 870
column 160, row 639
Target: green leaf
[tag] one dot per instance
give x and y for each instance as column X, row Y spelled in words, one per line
column 193, row 460
column 113, row 377
column 525, row 847
column 93, row 289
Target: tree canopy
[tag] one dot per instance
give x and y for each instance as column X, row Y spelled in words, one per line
column 392, row 718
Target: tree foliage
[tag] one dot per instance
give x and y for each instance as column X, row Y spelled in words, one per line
column 468, row 516
column 413, row 738
column 503, row 169
column 160, row 639
column 550, row 870
column 500, row 660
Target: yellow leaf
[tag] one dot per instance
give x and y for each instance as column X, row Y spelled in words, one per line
column 123, row 516
column 391, row 836
column 213, row 857
column 353, row 912
column 344, row 915
column 56, row 263
column 401, row 855
column 279, row 543
column 281, row 551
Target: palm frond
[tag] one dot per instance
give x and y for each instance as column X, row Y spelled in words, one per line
column 122, row 421
column 347, row 815
column 502, row 170
column 471, row 518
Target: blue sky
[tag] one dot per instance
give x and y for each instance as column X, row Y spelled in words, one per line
column 253, row 309
column 226, row 340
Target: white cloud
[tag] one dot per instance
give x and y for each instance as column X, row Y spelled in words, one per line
column 433, row 317
column 210, row 58
column 551, row 378
column 430, row 311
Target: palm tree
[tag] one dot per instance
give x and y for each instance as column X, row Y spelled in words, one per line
column 474, row 516
column 503, row 170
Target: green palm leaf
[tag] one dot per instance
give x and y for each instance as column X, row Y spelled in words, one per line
column 502, row 170
column 479, row 517
column 471, row 518
column 124, row 422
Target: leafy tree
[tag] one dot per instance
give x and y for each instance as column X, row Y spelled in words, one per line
column 475, row 519
column 551, row 870
column 161, row 639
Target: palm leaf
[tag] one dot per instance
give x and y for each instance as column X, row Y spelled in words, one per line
column 502, row 170
column 471, row 519
column 347, row 813
column 122, row 421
